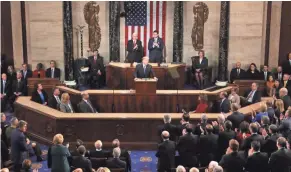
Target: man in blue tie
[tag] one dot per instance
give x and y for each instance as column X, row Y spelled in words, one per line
column 144, row 70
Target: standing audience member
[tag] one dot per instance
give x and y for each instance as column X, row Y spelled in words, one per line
column 211, row 166
column 279, row 108
column 236, row 117
column 167, row 126
column 25, row 73
column 246, row 143
column 284, row 96
column 38, row 72
column 183, row 123
column 276, row 89
column 224, row 104
column 54, row 101
column 115, row 162
column 80, row 161
column 280, row 161
column 285, row 126
column 271, row 112
column 265, row 73
column 263, row 112
column 270, row 143
column 5, row 91
column 279, row 74
column 253, row 73
column 166, row 153
column 4, row 151
column 286, row 65
column 257, row 161
column 39, row 95
column 287, row 83
column 66, row 105
column 53, row 71
column 11, row 74
column 59, row 154
column 96, row 69
column 237, row 73
column 18, row 88
column 13, row 125
column 224, row 137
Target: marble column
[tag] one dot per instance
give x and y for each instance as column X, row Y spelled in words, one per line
column 114, row 31
column 223, row 41
column 68, row 40
column 178, row 32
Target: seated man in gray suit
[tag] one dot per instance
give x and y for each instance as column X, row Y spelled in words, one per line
column 85, row 106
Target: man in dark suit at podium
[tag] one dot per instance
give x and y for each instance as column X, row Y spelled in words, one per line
column 144, row 70
column 134, row 49
column 156, row 47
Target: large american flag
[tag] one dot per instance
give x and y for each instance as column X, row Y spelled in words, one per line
column 143, row 17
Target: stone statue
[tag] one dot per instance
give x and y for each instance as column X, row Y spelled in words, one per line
column 91, row 11
column 201, row 12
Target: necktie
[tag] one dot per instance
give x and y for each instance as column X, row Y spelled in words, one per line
column 237, row 72
column 95, row 59
column 134, row 43
column 58, row 99
column 4, row 82
column 285, row 84
column 18, row 83
column 279, row 76
column 89, row 104
column 52, row 74
column 144, row 69
column 24, row 74
column 250, row 95
column 70, row 108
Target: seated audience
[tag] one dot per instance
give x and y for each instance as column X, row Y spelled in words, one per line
column 280, row 161
column 287, row 83
column 103, row 169
column 270, row 143
column 224, row 103
column 5, row 91
column 85, row 106
column 236, row 73
column 252, row 96
column 285, row 126
column 167, row 126
column 257, row 161
column 208, row 146
column 252, row 73
column 279, row 74
column 11, row 74
column 203, row 105
column 200, row 65
column 270, row 85
column 80, row 161
column 286, row 65
column 98, row 152
column 166, row 153
column 271, row 112
column 39, row 95
column 53, row 71
column 254, row 129
column 66, row 105
column 263, row 112
column 59, row 154
column 180, row 168
column 54, row 101
column 187, row 147
column 265, row 73
column 124, row 153
column 284, row 96
column 115, row 162
column 234, row 97
column 231, row 161
column 276, row 89
column 224, row 137
column 39, row 71
column 236, row 117
column 4, row 170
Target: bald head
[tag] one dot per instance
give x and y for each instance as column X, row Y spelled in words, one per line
column 194, row 170
column 180, row 168
column 85, row 95
column 165, row 135
column 283, row 92
column 134, row 36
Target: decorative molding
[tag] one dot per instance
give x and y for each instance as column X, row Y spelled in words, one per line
column 201, row 12
column 178, row 32
column 114, row 30
column 223, row 41
column 68, row 40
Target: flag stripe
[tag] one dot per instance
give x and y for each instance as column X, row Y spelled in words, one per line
column 160, row 19
column 157, row 16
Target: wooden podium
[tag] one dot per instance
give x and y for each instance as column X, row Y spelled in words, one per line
column 145, row 86
column 47, row 83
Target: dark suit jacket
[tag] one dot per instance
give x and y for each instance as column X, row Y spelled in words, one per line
column 236, row 118
column 11, row 76
column 18, row 146
column 124, row 156
column 166, row 155
column 28, row 74
column 188, row 145
column 52, row 102
column 285, row 127
column 197, row 65
column 7, row 88
column 85, row 108
column 172, row 129
column 263, row 76
column 225, row 106
column 98, row 154
column 235, row 76
column 277, row 76
column 4, row 152
column 270, row 144
column 82, row 162
column 115, row 163
column 258, row 162
column 57, row 73
column 246, row 144
column 232, row 162
column 95, row 66
column 256, row 96
column 208, row 148
column 280, row 161
column 156, row 53
column 139, row 71
column 252, row 76
column 286, row 67
column 134, row 55
column 287, row 101
column 18, row 88
column 223, row 141
column 36, row 97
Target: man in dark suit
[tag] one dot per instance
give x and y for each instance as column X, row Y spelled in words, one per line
column 124, row 153
column 4, row 127
column 167, row 126
column 286, row 65
column 265, row 73
column 283, row 93
column 96, row 69
column 270, row 143
column 18, row 146
column 5, row 91
column 187, row 147
column 166, row 153
column 224, row 103
column 18, row 87
column 183, row 123
column 237, row 73
column 231, row 161
column 287, row 83
column 156, row 47
column 26, row 73
column 285, row 126
column 279, row 74
column 224, row 137
column 54, row 101
column 208, row 146
column 252, row 96
column 134, row 49
column 257, row 161
column 236, row 117
column 53, row 71
column 254, row 129
column 85, row 106
column 144, row 70
column 115, row 162
column 82, row 162
column 98, row 152
column 280, row 161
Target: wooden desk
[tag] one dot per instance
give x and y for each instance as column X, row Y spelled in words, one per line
column 134, row 130
column 121, row 76
column 127, row 101
column 47, row 83
column 245, row 85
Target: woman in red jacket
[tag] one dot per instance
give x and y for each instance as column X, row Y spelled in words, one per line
column 203, row 105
